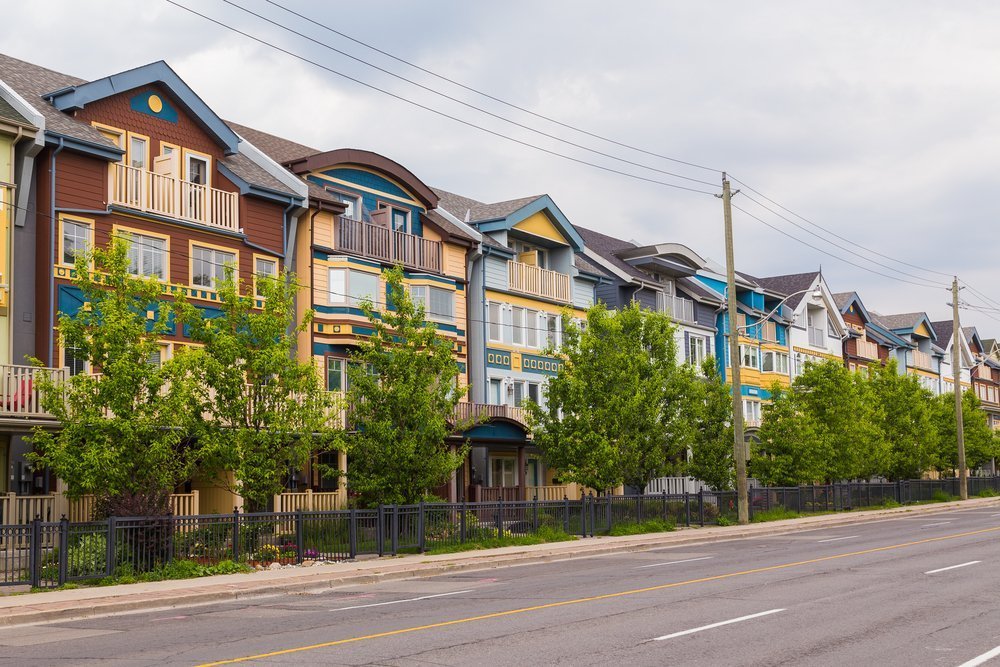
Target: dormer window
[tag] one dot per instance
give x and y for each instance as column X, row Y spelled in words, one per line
column 353, row 210
column 531, row 254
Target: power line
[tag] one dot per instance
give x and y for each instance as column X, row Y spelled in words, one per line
column 831, row 232
column 460, row 101
column 837, row 257
column 433, row 110
column 980, row 294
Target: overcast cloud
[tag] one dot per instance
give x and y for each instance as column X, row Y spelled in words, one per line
column 876, row 119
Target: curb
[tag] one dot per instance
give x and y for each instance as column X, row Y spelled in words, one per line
column 36, row 610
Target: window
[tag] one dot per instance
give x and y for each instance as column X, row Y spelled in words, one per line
column 517, row 316
column 137, row 150
column 531, row 254
column 496, row 331
column 751, row 411
column 518, row 394
column 399, row 218
column 695, row 350
column 496, row 392
column 147, row 255
column 774, row 362
column 353, row 287
column 439, row 304
column 208, row 266
column 75, row 360
column 531, row 328
column 749, row 356
column 197, row 170
column 263, row 269
column 75, row 240
column 551, row 330
column 335, row 374
column 353, row 210
column 503, row 472
column 534, row 393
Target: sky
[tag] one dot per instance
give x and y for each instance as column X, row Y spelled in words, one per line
column 872, row 121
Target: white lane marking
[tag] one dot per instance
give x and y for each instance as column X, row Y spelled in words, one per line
column 997, row 514
column 717, row 625
column 835, row 539
column 980, row 659
column 952, row 567
column 422, row 597
column 939, row 523
column 674, row 562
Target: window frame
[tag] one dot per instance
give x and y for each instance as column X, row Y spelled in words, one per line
column 393, row 209
column 63, row 349
column 186, row 155
column 267, row 258
column 347, row 298
column 147, row 147
column 121, row 231
column 491, row 322
column 76, row 220
column 355, row 198
column 192, row 245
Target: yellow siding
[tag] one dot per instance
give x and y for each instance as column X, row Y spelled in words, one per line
column 539, row 224
column 921, row 330
column 214, row 497
column 323, row 230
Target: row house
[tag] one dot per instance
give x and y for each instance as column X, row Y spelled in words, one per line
column 867, row 343
column 985, row 375
column 528, row 270
column 660, row 278
column 922, row 357
column 135, row 155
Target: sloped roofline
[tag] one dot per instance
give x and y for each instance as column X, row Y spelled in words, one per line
column 78, row 96
column 692, row 258
column 542, row 203
column 369, row 159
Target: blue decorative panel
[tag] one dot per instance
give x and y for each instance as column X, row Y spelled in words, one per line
column 154, row 104
column 544, row 365
column 498, row 358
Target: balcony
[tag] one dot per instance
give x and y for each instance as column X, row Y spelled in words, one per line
column 918, row 359
column 536, row 281
column 867, row 349
column 20, row 390
column 488, row 411
column 387, row 245
column 679, row 308
column 174, row 198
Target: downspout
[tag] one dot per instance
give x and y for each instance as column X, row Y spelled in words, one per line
column 483, row 324
column 52, row 251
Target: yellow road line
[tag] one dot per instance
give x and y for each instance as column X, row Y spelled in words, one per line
column 593, row 598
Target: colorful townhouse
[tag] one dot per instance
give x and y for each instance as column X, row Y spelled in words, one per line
column 528, row 270
column 763, row 338
column 923, row 357
column 984, row 376
column 660, row 278
column 867, row 343
column 135, row 155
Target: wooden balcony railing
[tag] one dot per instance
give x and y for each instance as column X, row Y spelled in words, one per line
column 20, row 390
column 679, row 308
column 536, row 281
column 150, row 192
column 918, row 359
column 486, row 411
column 867, row 349
column 387, row 245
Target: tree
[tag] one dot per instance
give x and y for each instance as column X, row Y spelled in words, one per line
column 617, row 411
column 125, row 426
column 402, row 393
column 980, row 443
column 903, row 417
column 265, row 413
column 712, row 444
column 791, row 451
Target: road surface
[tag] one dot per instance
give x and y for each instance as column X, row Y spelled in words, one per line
column 914, row 590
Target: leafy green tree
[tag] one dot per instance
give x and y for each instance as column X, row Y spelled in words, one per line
column 125, row 425
column 712, row 443
column 265, row 413
column 903, row 416
column 791, row 450
column 618, row 410
column 403, row 389
column 980, row 443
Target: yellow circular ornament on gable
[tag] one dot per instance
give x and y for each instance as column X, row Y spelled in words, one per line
column 155, row 104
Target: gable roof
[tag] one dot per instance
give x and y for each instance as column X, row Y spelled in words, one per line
column 277, row 148
column 447, row 226
column 477, row 211
column 904, row 321
column 370, row 159
column 10, row 114
column 944, row 330
column 790, row 284
column 608, row 248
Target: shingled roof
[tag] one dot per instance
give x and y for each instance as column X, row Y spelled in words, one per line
column 11, row 115
column 789, row 284
column 608, row 248
column 277, row 148
column 843, row 298
column 899, row 321
column 477, row 211
column 944, row 331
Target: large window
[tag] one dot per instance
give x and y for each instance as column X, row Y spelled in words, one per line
column 495, row 322
column 353, row 287
column 517, row 316
column 503, row 472
column 751, row 411
column 75, row 240
column 774, row 362
column 75, row 360
column 749, row 356
column 208, row 266
column 552, row 332
column 263, row 269
column 147, row 255
column 695, row 352
column 496, row 392
column 439, row 304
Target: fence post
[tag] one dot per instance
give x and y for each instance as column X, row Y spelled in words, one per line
column 639, row 500
column 798, row 498
column 300, row 538
column 461, row 525
column 63, row 549
column 593, row 514
column 899, row 492
column 750, row 503
column 395, row 529
column 499, row 517
column 109, row 557
column 35, row 553
column 534, row 518
column 236, row 534
column 352, row 530
column 380, row 530
column 421, row 529
column 170, row 535
column 566, row 513
column 583, row 515
column 701, row 506
column 687, row 508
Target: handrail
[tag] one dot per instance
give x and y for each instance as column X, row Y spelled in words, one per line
column 150, row 192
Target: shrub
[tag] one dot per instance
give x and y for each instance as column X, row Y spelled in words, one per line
column 988, row 493
column 723, row 521
column 775, row 514
column 941, row 496
column 650, row 526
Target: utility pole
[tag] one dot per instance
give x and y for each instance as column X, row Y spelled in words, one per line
column 956, row 367
column 739, row 446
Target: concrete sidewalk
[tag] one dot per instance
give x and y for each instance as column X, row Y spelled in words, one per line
column 87, row 602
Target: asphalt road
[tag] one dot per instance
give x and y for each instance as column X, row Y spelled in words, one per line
column 905, row 591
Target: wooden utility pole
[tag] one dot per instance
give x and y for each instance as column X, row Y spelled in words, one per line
column 956, row 367
column 739, row 445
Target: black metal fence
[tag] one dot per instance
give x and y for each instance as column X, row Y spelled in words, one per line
column 47, row 554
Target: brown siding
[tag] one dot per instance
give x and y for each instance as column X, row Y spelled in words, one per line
column 853, row 318
column 262, row 222
column 81, row 181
